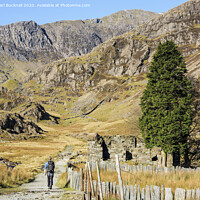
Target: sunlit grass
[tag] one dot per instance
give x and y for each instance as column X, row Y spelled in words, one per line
column 11, row 84
column 62, row 180
column 12, row 178
column 185, row 180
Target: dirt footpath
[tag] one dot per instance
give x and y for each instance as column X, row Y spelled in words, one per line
column 38, row 188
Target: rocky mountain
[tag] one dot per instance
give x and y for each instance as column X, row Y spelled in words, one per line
column 74, row 38
column 31, row 45
column 130, row 53
column 111, row 79
column 24, row 40
column 103, row 88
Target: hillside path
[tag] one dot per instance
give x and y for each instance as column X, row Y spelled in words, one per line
column 38, row 188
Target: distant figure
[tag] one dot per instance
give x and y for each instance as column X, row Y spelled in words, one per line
column 49, row 170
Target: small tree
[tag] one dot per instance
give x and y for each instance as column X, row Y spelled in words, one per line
column 166, row 102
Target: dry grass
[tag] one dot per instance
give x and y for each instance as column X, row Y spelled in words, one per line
column 33, row 153
column 112, row 197
column 62, row 180
column 121, row 127
column 11, row 84
column 11, row 178
column 186, row 180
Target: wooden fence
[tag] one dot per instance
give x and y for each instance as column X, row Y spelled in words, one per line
column 104, row 190
column 111, row 166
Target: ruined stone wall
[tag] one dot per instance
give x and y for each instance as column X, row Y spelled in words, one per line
column 127, row 148
column 95, row 151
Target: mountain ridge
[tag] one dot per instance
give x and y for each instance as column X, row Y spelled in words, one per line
column 123, row 57
column 101, row 90
column 40, row 44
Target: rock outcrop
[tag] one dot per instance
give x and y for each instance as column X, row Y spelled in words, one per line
column 10, row 99
column 25, row 41
column 176, row 19
column 15, row 124
column 36, row 112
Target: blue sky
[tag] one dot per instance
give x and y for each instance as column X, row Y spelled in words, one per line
column 17, row 10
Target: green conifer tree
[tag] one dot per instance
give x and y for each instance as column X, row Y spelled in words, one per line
column 166, row 103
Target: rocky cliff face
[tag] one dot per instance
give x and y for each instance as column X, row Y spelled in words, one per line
column 131, row 53
column 25, row 41
column 36, row 44
column 74, row 38
column 176, row 19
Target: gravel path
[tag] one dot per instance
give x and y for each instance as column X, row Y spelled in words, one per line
column 38, row 188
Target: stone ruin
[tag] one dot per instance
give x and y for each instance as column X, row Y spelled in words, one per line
column 128, row 148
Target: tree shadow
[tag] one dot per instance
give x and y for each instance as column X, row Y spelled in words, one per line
column 194, row 138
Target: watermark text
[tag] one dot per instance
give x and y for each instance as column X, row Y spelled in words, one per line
column 44, row 5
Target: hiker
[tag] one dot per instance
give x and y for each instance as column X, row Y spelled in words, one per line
column 49, row 171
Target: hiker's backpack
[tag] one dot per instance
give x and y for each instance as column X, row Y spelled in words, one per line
column 50, row 167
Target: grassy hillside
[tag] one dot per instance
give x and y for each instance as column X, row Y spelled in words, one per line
column 12, row 68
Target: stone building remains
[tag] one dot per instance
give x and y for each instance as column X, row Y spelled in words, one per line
column 128, row 148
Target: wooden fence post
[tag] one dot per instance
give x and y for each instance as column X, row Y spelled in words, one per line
column 83, row 197
column 119, row 177
column 81, row 180
column 89, row 196
column 71, row 179
column 85, row 180
column 99, row 182
column 180, row 194
column 91, row 182
column 88, row 181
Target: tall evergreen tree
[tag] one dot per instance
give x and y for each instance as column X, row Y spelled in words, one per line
column 166, row 103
